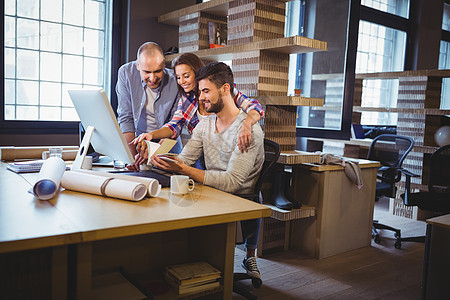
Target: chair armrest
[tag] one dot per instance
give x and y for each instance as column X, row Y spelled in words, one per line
column 388, row 174
column 385, row 168
column 407, row 193
column 408, row 173
column 396, row 177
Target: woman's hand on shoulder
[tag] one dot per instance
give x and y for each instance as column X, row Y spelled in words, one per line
column 245, row 136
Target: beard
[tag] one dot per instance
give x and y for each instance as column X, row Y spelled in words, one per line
column 216, row 107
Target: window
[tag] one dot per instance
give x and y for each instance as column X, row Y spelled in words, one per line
column 380, row 49
column 322, row 73
column 395, row 7
column 52, row 46
column 444, row 57
column 446, row 17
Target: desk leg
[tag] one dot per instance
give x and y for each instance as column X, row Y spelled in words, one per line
column 81, row 265
column 216, row 244
column 425, row 262
column 59, row 272
column 229, row 261
column 287, row 236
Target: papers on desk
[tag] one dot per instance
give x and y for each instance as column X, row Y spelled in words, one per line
column 153, row 186
column 105, row 186
column 47, row 184
column 25, row 166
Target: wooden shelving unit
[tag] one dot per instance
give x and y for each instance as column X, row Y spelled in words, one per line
column 296, row 157
column 414, row 111
column 419, row 116
column 290, row 100
column 216, row 7
column 287, row 215
column 287, row 45
column 259, row 55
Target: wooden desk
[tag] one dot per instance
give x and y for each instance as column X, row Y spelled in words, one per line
column 344, row 213
column 99, row 234
column 436, row 278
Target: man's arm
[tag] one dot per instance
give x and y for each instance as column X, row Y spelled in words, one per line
column 245, row 134
column 192, row 151
column 180, row 167
column 241, row 169
column 254, row 112
column 129, row 137
column 124, row 107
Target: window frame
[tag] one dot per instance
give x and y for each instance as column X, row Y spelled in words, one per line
column 16, row 127
column 360, row 12
column 349, row 81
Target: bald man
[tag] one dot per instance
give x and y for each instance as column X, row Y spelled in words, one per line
column 147, row 94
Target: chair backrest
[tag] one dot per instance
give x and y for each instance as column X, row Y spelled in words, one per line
column 272, row 152
column 390, row 149
column 439, row 175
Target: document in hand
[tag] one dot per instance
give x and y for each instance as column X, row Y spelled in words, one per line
column 156, row 148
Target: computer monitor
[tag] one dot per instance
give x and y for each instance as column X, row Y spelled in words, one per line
column 94, row 109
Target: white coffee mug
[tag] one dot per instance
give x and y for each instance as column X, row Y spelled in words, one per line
column 181, row 184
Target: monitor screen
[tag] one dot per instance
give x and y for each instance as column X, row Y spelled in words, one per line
column 94, row 109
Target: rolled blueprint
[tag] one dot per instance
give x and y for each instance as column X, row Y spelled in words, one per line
column 47, row 184
column 105, row 186
column 153, row 186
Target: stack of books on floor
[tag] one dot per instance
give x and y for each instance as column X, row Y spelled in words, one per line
column 192, row 277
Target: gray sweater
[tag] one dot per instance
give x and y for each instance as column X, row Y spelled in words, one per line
column 227, row 168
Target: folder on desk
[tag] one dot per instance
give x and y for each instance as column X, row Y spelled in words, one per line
column 25, row 166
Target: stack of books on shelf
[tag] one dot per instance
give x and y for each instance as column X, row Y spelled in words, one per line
column 192, row 277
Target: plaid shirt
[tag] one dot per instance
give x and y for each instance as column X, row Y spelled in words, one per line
column 186, row 112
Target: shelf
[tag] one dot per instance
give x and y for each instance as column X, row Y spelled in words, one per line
column 172, row 294
column 395, row 75
column 216, row 7
column 298, row 157
column 294, row 214
column 290, row 100
column 114, row 286
column 335, row 108
column 287, row 45
column 426, row 111
column 366, row 143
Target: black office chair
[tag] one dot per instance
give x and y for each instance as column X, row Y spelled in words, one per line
column 390, row 150
column 437, row 198
column 272, row 152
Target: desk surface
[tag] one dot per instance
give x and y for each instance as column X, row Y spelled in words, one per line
column 72, row 217
column 363, row 164
column 440, row 221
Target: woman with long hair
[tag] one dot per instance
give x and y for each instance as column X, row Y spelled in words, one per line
column 190, row 110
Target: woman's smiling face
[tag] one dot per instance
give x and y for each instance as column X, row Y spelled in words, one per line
column 185, row 77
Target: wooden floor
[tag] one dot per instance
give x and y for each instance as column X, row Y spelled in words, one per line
column 376, row 272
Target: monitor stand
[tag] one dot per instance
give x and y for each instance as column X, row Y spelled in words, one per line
column 84, row 147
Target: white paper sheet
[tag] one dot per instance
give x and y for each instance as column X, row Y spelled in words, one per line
column 153, row 186
column 47, row 184
column 101, row 185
